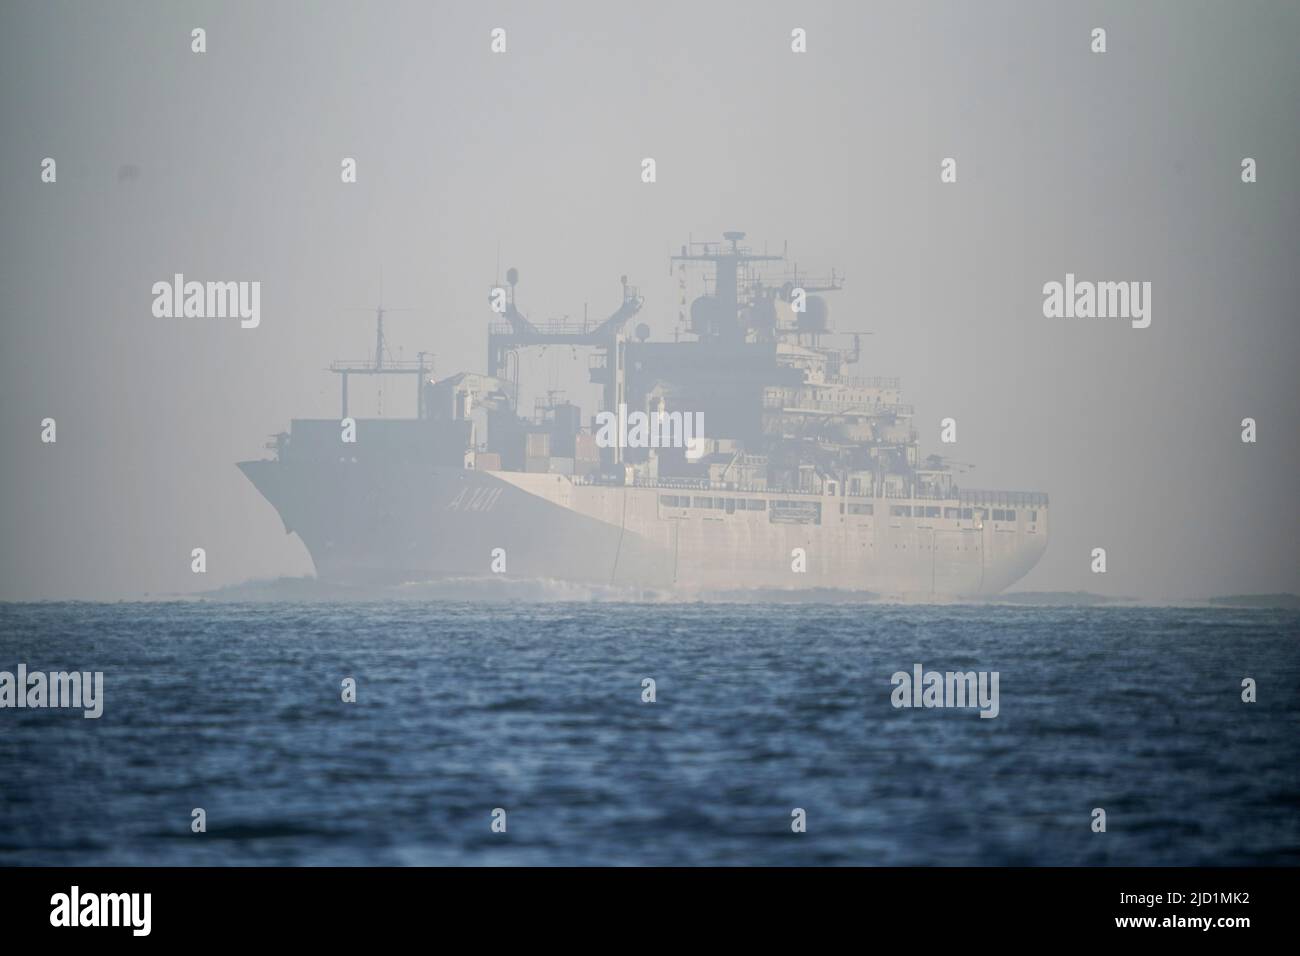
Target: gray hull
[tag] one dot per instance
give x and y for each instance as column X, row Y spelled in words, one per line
column 364, row 524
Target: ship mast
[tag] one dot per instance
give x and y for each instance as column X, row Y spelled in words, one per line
column 419, row 368
column 517, row 332
column 727, row 265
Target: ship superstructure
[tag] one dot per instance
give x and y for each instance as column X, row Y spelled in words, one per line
column 804, row 475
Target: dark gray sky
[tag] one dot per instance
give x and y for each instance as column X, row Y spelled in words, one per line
column 1122, row 166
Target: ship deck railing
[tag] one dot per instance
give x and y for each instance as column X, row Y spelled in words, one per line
column 966, row 496
column 876, row 381
column 831, row 407
column 390, row 365
column 980, row 496
column 567, row 327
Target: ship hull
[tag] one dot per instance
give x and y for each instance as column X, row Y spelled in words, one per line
column 366, row 524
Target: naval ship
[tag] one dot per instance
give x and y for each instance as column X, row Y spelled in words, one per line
column 804, row 477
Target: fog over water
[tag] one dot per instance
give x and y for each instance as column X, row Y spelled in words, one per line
column 1123, row 166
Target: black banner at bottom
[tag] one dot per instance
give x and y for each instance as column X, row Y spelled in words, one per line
column 337, row 905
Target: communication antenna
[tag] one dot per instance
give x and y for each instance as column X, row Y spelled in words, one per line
column 381, row 347
column 381, row 364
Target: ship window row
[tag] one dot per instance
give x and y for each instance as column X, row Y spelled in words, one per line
column 732, row 505
column 729, row 505
column 961, row 514
column 921, row 511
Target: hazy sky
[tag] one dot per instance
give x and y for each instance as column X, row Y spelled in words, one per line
column 225, row 166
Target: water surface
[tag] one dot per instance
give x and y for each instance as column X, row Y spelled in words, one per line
column 536, row 709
